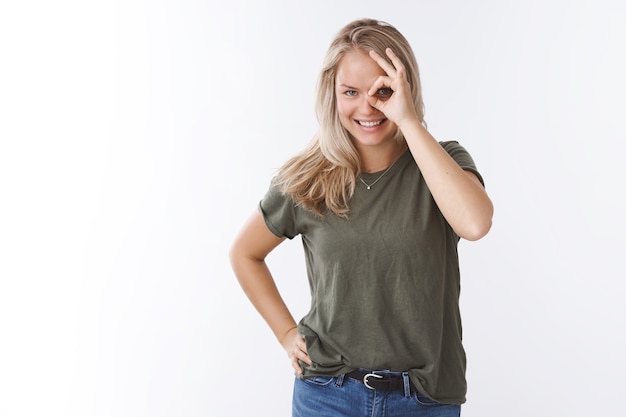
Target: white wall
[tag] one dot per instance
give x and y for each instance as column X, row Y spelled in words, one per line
column 136, row 137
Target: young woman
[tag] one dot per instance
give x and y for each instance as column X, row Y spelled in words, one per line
column 380, row 206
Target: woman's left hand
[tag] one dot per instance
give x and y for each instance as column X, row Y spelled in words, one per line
column 399, row 107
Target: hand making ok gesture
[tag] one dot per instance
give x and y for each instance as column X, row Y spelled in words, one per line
column 399, row 107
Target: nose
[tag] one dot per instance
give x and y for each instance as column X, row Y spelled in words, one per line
column 365, row 107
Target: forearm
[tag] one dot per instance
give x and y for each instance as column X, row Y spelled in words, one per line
column 259, row 286
column 458, row 194
column 247, row 257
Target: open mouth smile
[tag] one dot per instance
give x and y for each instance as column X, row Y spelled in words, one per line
column 370, row 124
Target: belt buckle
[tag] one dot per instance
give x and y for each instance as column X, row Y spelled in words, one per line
column 367, row 376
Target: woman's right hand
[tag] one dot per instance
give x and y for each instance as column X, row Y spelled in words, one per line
column 295, row 347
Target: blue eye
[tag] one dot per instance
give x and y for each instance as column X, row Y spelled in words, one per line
column 350, row 93
column 385, row 91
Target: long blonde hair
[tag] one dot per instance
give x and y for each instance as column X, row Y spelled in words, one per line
column 323, row 176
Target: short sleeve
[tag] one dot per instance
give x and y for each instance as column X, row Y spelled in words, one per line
column 462, row 157
column 279, row 213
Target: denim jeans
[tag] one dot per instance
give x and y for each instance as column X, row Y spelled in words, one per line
column 346, row 397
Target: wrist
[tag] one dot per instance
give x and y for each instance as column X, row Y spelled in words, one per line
column 285, row 334
column 409, row 124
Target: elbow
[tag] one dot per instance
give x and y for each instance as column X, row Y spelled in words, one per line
column 240, row 257
column 477, row 230
column 478, row 226
column 232, row 255
column 237, row 259
column 235, row 255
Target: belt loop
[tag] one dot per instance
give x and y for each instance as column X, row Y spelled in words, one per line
column 339, row 381
column 407, row 384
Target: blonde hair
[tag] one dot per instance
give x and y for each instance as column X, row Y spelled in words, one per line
column 323, row 176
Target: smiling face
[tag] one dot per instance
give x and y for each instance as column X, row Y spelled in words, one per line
column 356, row 73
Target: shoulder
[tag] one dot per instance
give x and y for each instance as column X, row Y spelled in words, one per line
column 275, row 196
column 279, row 212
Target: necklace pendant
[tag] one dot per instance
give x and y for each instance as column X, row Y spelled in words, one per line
column 369, row 186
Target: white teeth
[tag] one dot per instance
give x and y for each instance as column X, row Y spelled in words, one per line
column 370, row 124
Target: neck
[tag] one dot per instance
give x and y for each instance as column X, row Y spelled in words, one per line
column 376, row 160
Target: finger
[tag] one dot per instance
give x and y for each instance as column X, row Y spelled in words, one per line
column 305, row 358
column 381, row 82
column 301, row 344
column 394, row 59
column 295, row 357
column 298, row 353
column 383, row 63
column 303, row 355
column 301, row 341
column 375, row 102
column 296, row 366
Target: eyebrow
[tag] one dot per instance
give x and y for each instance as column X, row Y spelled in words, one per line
column 346, row 86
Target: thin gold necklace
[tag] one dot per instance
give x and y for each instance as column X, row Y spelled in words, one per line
column 369, row 186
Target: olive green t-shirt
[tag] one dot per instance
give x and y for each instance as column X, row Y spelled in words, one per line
column 384, row 282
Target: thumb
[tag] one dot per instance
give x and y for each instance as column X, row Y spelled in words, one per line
column 375, row 102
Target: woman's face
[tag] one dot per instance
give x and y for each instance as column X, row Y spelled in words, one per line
column 356, row 73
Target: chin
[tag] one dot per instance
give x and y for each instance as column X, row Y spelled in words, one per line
column 375, row 139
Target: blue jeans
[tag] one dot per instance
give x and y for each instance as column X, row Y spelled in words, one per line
column 346, row 397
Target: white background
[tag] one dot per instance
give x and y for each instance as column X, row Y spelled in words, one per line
column 136, row 138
